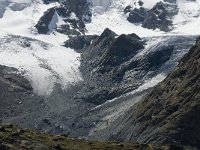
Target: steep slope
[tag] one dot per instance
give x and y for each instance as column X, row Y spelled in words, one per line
column 115, row 65
column 115, row 76
column 170, row 113
column 173, row 106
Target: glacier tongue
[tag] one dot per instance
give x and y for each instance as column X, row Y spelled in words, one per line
column 44, row 65
column 40, row 58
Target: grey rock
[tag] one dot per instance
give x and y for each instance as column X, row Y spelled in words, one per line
column 160, row 17
column 80, row 42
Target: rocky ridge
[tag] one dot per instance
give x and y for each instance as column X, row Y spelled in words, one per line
column 169, row 114
column 111, row 65
column 159, row 17
column 72, row 13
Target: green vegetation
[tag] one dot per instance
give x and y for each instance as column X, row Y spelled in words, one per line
column 13, row 138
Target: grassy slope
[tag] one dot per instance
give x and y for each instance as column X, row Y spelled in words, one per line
column 14, row 138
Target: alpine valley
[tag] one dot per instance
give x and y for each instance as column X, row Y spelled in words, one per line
column 100, row 70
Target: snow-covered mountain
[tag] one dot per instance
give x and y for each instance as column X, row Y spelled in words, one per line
column 20, row 18
column 186, row 16
column 88, row 61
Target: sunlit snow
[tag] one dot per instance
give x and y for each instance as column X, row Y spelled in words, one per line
column 40, row 58
column 18, row 18
column 186, row 22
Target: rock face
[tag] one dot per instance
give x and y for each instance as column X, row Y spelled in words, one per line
column 16, row 94
column 80, row 42
column 170, row 113
column 174, row 105
column 159, row 17
column 43, row 24
column 13, row 81
column 137, row 15
column 112, row 66
column 109, row 69
column 73, row 14
column 102, row 62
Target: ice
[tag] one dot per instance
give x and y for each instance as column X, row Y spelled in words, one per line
column 18, row 17
column 42, row 64
column 100, row 6
column 53, row 23
column 115, row 19
column 42, row 60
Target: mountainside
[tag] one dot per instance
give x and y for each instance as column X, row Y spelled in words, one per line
column 79, row 67
column 169, row 114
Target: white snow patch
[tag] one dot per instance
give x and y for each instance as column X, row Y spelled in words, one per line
column 40, row 58
column 151, row 82
column 73, row 16
column 115, row 19
column 187, row 21
column 148, row 84
column 43, row 65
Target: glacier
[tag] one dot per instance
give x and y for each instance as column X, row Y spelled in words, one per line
column 52, row 68
column 42, row 59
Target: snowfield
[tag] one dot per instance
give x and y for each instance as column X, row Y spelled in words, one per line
column 186, row 22
column 49, row 66
column 40, row 58
column 115, row 19
column 45, row 62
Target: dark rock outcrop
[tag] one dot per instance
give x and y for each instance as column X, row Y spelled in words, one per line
column 137, row 15
column 160, row 16
column 13, row 81
column 101, row 63
column 43, row 24
column 170, row 113
column 80, row 42
column 49, row 1
column 73, row 25
column 110, row 65
column 174, row 105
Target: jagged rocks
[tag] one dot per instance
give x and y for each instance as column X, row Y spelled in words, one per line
column 137, row 15
column 170, row 113
column 101, row 62
column 73, row 14
column 110, row 66
column 49, row 1
column 72, row 25
column 43, row 24
column 159, row 17
column 80, row 42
